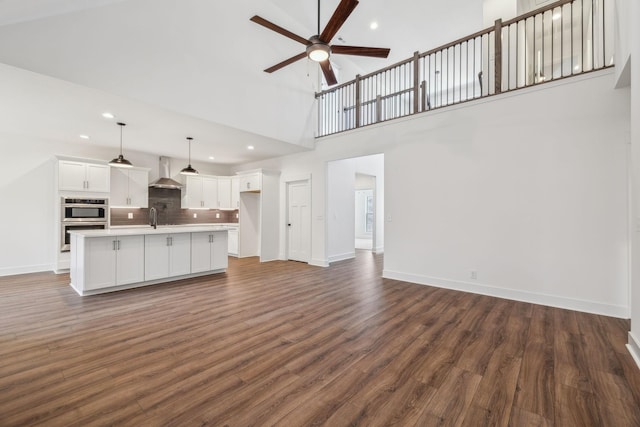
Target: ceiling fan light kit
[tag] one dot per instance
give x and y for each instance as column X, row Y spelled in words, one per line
column 318, row 47
column 120, row 161
column 318, row 51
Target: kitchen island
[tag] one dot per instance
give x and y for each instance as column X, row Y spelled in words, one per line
column 123, row 258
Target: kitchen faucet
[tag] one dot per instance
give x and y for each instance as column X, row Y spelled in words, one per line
column 153, row 218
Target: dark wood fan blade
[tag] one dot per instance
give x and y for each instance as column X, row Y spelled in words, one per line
column 376, row 52
column 340, row 15
column 278, row 29
column 286, row 62
column 329, row 75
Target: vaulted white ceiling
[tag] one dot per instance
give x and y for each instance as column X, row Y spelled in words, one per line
column 173, row 68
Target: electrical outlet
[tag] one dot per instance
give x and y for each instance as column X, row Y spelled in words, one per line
column 237, row 215
column 195, row 215
column 217, row 215
column 474, row 275
column 130, row 215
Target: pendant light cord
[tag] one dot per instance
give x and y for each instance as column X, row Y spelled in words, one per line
column 318, row 17
column 121, row 126
column 189, row 138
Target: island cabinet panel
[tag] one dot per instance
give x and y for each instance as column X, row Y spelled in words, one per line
column 129, row 260
column 167, row 255
column 112, row 261
column 99, row 263
column 208, row 251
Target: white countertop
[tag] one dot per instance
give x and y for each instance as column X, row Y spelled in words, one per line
column 162, row 229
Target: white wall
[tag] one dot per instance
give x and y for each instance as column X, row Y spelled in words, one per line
column 341, row 179
column 634, row 334
column 529, row 189
column 622, row 27
column 497, row 9
column 529, row 192
column 27, row 176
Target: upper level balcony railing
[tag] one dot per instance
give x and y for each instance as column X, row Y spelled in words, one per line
column 564, row 39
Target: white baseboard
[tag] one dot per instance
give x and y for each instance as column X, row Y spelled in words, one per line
column 378, row 250
column 512, row 294
column 342, row 257
column 633, row 345
column 25, row 269
column 319, row 262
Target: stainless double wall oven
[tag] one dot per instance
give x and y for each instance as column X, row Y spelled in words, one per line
column 81, row 214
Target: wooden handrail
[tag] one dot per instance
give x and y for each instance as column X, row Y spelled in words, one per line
column 535, row 12
column 493, row 58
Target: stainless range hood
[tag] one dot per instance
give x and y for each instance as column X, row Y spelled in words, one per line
column 165, row 181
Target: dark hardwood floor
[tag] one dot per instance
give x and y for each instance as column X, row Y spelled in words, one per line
column 287, row 344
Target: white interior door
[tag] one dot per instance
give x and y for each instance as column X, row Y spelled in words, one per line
column 298, row 221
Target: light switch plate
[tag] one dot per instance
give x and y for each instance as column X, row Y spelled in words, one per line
column 217, row 215
column 130, row 215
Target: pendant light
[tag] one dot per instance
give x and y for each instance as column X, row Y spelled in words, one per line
column 120, row 161
column 189, row 170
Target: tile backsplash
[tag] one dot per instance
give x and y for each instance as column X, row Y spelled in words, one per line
column 167, row 203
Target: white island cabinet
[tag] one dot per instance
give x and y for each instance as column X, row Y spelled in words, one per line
column 167, row 255
column 209, row 251
column 115, row 259
column 111, row 261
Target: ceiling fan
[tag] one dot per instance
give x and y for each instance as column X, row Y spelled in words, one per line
column 318, row 47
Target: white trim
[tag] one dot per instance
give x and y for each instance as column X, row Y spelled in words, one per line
column 319, row 263
column 145, row 283
column 296, row 177
column 378, row 250
column 342, row 257
column 633, row 346
column 26, row 269
column 512, row 294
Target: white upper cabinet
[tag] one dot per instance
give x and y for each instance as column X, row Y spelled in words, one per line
column 235, row 192
column 251, row 182
column 80, row 176
column 200, row 192
column 224, row 192
column 129, row 187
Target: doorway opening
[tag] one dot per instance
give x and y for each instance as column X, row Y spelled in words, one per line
column 365, row 211
column 355, row 206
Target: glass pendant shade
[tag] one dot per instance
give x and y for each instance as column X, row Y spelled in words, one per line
column 120, row 161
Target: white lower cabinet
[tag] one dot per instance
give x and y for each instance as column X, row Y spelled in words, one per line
column 208, row 251
column 167, row 255
column 113, row 261
column 233, row 241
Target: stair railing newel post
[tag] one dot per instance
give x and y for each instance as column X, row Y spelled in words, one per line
column 358, row 100
column 416, row 82
column 497, row 38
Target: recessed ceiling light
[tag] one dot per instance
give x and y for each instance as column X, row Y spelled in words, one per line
column 84, row 136
column 250, row 147
column 211, row 158
column 373, row 25
column 108, row 115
